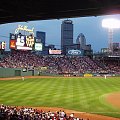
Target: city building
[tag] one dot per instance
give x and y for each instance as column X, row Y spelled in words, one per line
column 116, row 45
column 81, row 40
column 51, row 46
column 66, row 34
column 41, row 37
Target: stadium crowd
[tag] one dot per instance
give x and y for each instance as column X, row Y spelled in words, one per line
column 58, row 64
column 24, row 113
column 112, row 66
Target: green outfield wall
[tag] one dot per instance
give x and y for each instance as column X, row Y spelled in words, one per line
column 12, row 72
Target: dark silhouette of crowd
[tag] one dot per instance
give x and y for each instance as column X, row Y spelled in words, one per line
column 24, row 113
column 57, row 64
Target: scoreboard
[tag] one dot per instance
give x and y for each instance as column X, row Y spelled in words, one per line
column 21, row 42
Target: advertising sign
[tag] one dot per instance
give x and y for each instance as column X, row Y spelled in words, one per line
column 88, row 75
column 12, row 36
column 104, row 50
column 38, row 46
column 3, row 45
column 24, row 42
column 54, row 52
column 23, row 28
column 12, row 44
column 74, row 52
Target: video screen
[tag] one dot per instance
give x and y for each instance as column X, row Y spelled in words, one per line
column 24, row 42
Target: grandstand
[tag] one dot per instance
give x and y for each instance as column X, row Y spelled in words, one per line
column 28, row 63
column 24, row 113
column 61, row 65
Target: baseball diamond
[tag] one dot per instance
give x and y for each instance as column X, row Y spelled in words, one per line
column 80, row 94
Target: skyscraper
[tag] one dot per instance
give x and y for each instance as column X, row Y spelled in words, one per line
column 66, row 34
column 41, row 37
column 81, row 40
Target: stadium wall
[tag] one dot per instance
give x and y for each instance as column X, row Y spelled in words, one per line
column 12, row 72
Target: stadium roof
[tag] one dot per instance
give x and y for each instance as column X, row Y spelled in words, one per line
column 27, row 10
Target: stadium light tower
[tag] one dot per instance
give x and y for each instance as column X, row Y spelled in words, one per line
column 110, row 24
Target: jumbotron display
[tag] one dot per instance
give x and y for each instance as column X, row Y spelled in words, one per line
column 24, row 42
column 21, row 42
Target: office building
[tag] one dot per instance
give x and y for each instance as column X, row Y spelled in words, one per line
column 81, row 40
column 66, row 34
column 41, row 37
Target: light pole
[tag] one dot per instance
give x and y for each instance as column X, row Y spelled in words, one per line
column 110, row 24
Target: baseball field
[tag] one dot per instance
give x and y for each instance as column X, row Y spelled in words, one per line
column 73, row 93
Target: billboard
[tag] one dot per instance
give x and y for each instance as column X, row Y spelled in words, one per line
column 3, row 45
column 38, row 46
column 54, row 52
column 12, row 36
column 75, row 52
column 24, row 42
column 104, row 50
column 24, row 28
column 21, row 42
column 12, row 44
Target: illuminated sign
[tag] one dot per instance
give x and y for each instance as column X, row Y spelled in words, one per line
column 54, row 51
column 3, row 45
column 12, row 36
column 29, row 41
column 24, row 42
column 68, row 21
column 74, row 52
column 12, row 44
column 104, row 50
column 24, row 28
column 23, row 48
column 38, row 46
column 20, row 40
column 38, row 40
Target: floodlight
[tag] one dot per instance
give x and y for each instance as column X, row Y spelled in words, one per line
column 111, row 23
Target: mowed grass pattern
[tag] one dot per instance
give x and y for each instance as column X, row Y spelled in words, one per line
column 81, row 94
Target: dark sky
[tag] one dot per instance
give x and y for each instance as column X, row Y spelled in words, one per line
column 91, row 27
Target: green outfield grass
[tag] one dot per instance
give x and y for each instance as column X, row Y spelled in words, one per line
column 81, row 94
